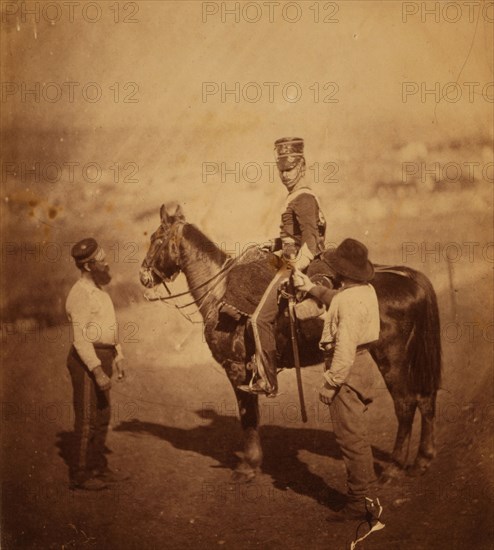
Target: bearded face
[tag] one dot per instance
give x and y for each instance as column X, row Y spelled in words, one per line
column 100, row 273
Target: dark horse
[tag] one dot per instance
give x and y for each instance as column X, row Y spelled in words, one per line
column 408, row 352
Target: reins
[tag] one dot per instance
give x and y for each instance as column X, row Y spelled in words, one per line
column 225, row 269
column 218, row 277
column 227, row 266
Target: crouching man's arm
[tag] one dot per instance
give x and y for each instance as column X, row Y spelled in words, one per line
column 302, row 282
column 343, row 357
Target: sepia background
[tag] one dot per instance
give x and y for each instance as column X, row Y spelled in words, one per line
column 109, row 109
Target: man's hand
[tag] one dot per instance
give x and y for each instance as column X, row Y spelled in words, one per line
column 272, row 245
column 326, row 394
column 302, row 281
column 104, row 383
column 119, row 366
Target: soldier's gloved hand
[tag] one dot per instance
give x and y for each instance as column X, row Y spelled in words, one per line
column 326, row 394
column 290, row 252
column 104, row 383
column 296, row 257
column 301, row 281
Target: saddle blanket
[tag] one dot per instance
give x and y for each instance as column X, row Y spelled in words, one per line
column 248, row 281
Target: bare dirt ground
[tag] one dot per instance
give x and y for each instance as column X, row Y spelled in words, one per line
column 175, row 431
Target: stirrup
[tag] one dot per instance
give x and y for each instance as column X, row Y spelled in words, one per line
column 256, row 389
column 254, row 386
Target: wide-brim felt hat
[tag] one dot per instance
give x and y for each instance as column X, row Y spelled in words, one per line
column 351, row 260
column 288, row 152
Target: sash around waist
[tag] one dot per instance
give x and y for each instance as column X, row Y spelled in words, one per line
column 101, row 347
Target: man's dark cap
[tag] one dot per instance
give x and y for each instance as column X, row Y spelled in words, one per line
column 84, row 250
column 288, row 151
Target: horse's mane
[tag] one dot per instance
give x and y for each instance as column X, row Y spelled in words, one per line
column 203, row 244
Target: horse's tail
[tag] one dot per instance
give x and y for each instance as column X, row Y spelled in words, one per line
column 424, row 375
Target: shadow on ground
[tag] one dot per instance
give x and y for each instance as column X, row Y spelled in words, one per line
column 281, row 446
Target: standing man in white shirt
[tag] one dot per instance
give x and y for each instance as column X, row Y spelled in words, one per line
column 351, row 324
column 91, row 358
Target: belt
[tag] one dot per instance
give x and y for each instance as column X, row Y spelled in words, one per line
column 329, row 347
column 104, row 346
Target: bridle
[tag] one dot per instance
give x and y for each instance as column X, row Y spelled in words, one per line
column 174, row 241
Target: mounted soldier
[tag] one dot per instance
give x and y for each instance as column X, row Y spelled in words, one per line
column 302, row 234
column 408, row 351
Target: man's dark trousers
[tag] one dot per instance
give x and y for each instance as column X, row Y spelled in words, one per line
column 92, row 414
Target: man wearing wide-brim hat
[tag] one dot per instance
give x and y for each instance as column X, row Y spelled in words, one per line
column 302, row 233
column 351, row 324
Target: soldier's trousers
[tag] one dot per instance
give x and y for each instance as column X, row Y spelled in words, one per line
column 92, row 414
column 262, row 321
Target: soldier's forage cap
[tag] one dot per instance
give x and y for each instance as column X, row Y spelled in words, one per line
column 288, row 151
column 86, row 250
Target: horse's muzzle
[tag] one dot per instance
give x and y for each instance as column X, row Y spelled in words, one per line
column 146, row 277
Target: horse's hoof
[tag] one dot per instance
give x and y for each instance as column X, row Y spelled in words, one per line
column 390, row 474
column 419, row 468
column 243, row 476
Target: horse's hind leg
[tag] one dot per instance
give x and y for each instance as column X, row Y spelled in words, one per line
column 427, row 449
column 405, row 408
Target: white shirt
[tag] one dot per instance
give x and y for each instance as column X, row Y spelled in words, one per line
column 92, row 315
column 352, row 320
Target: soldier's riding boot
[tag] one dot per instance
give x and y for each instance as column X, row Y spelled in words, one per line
column 269, row 367
column 267, row 382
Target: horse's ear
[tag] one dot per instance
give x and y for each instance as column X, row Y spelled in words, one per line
column 171, row 212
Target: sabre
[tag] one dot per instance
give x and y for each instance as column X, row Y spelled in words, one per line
column 296, row 358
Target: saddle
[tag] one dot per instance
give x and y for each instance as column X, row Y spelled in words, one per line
column 249, row 279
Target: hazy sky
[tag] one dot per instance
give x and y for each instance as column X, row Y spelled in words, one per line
column 163, row 78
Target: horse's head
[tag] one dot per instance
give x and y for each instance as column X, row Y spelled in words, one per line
column 162, row 262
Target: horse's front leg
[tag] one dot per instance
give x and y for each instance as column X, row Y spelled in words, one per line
column 248, row 406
